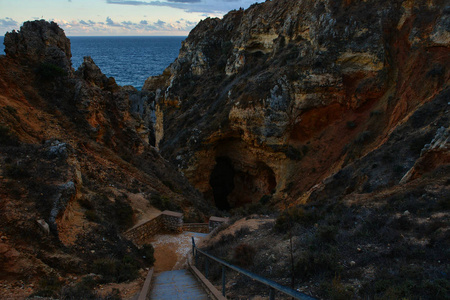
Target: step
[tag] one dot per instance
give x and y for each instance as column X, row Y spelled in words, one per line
column 178, row 284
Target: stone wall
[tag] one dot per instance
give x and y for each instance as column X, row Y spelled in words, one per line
column 141, row 232
column 215, row 222
column 169, row 221
column 196, row 227
column 172, row 221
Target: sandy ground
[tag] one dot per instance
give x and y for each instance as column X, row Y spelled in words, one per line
column 171, row 250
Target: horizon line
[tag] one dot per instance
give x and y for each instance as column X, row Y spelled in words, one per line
column 69, row 36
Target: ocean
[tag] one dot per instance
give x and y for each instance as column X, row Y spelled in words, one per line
column 130, row 60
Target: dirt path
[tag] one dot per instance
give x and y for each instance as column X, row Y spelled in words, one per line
column 171, row 250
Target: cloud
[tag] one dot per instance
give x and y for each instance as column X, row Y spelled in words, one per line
column 128, row 23
column 8, row 22
column 197, row 6
column 185, row 1
column 124, row 27
column 110, row 22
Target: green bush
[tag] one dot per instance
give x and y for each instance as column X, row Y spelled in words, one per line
column 49, row 71
column 123, row 213
column 114, row 270
column 147, row 251
column 48, row 287
column 163, row 203
column 92, row 216
column 363, row 137
column 351, row 124
column 85, row 290
column 6, row 137
column 295, row 215
column 243, row 255
column 336, row 290
column 11, row 110
column 86, row 203
column 17, row 171
column 316, row 261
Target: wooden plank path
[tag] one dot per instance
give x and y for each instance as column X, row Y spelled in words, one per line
column 178, row 284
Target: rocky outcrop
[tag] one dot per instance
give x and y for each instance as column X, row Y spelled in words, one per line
column 290, row 92
column 74, row 157
column 39, row 42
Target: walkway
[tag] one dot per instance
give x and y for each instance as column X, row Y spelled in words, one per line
column 171, row 279
column 178, row 284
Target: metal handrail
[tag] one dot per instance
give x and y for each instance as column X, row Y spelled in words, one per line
column 272, row 284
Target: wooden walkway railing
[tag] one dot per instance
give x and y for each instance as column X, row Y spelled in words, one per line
column 271, row 284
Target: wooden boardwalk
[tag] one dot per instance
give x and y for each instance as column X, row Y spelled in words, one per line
column 178, row 284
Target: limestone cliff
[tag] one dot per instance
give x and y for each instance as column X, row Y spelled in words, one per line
column 274, row 99
column 76, row 166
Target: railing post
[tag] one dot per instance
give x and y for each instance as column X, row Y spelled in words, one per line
column 272, row 294
column 206, row 267
column 223, row 281
column 193, row 246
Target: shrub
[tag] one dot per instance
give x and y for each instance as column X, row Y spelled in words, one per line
column 163, row 203
column 11, row 110
column 16, row 171
column 296, row 153
column 147, row 251
column 85, row 290
column 295, row 215
column 105, row 267
column 77, row 291
column 265, row 199
column 243, row 255
column 49, row 71
column 327, row 233
column 4, row 134
column 316, row 261
column 351, row 124
column 86, row 203
column 363, row 137
column 124, row 213
column 92, row 216
column 48, row 287
column 113, row 270
column 336, row 290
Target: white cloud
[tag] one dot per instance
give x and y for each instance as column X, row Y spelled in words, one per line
column 8, row 24
column 111, row 27
column 191, row 6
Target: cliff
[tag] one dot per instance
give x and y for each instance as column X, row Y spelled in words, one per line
column 77, row 168
column 287, row 93
column 335, row 113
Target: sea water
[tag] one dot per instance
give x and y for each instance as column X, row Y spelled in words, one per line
column 130, row 60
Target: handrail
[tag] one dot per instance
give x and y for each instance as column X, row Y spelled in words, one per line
column 268, row 282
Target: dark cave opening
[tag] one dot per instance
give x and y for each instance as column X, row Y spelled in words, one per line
column 222, row 182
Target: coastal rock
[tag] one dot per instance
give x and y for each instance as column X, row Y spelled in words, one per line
column 39, row 42
column 276, row 84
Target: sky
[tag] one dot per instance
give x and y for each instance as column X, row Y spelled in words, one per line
column 116, row 17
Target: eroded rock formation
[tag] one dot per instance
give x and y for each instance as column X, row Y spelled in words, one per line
column 291, row 92
column 74, row 158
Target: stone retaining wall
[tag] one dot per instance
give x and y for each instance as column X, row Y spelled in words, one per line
column 169, row 221
column 196, row 227
column 172, row 221
column 215, row 222
column 141, row 232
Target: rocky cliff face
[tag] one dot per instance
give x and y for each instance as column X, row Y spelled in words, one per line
column 274, row 99
column 76, row 166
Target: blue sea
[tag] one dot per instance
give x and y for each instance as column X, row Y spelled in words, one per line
column 130, row 60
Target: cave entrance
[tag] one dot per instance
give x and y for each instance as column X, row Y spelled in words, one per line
column 222, row 182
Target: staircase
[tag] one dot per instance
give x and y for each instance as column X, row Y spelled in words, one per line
column 178, row 284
